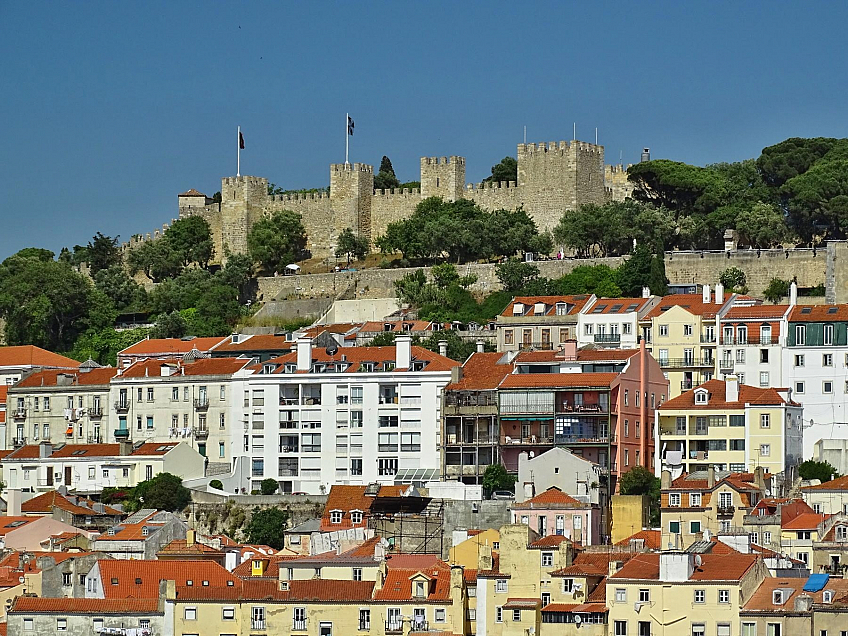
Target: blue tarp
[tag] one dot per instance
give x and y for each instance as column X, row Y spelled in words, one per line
column 816, row 582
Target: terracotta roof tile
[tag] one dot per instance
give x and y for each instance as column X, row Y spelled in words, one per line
column 756, row 311
column 122, row 606
column 206, row 366
column 398, row 326
column 169, row 346
column 46, row 502
column 575, row 301
column 140, row 579
column 48, row 378
column 714, row 567
column 651, row 538
column 717, row 397
column 550, row 541
column 553, row 497
column 7, row 524
column 259, row 342
column 605, row 355
column 819, row 313
column 353, row 498
column 558, row 380
column 576, row 608
column 181, row 547
column 191, row 193
column 32, row 356
column 593, row 563
column 840, row 483
column 398, row 587
column 357, row 355
column 693, row 303
column 761, row 600
column 83, row 451
column 806, row 521
column 481, row 372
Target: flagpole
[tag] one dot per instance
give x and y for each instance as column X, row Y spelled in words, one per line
column 347, row 135
column 238, row 153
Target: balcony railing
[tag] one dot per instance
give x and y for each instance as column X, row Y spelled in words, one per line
column 364, row 626
column 708, row 338
column 299, row 624
column 95, row 411
column 607, row 338
column 20, row 413
column 598, row 409
column 544, row 346
column 257, row 623
column 419, row 626
column 201, row 404
column 532, row 440
column 682, row 363
column 584, row 439
column 762, row 340
column 725, row 510
column 122, row 433
column 122, row 407
column 201, row 432
column 394, row 627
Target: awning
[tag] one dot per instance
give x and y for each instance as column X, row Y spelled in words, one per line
column 70, row 431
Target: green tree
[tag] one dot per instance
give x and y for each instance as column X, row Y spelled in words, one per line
column 276, row 241
column 102, row 345
column 164, row 492
column 642, row 269
column 505, row 170
column 822, row 471
column 157, row 259
column 588, row 279
column 516, row 275
column 238, row 274
column 191, row 239
column 777, row 289
column 103, row 253
column 496, row 477
column 385, row 178
column 352, row 246
column 763, row 226
column 641, row 481
column 216, row 483
column 170, row 325
column 734, row 280
column 269, row 486
column 267, row 527
column 122, row 290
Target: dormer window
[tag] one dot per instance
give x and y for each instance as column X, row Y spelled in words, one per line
column 389, row 366
column 701, row 397
column 777, row 597
column 518, row 309
column 388, row 326
column 540, row 309
column 367, row 367
column 144, row 531
column 561, row 309
column 827, row 596
column 336, row 516
column 319, row 367
column 356, row 516
column 269, row 368
column 407, row 326
column 419, row 589
column 291, row 368
column 841, row 533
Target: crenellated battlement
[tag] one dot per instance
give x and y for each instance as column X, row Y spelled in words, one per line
column 244, row 181
column 490, row 185
column 560, row 146
column 351, row 167
column 401, row 192
column 435, row 161
column 300, row 196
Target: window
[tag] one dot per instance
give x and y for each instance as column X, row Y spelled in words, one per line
column 336, row 516
column 547, row 559
column 694, row 500
column 150, row 394
column 357, row 574
column 356, row 515
column 800, row 335
column 827, row 386
column 98, row 625
column 66, row 578
column 765, row 420
column 694, row 527
column 644, row 596
column 766, row 537
column 799, row 387
column 501, row 586
column 724, row 596
column 620, row 595
column 508, row 336
column 499, row 614
column 700, row 596
column 737, row 445
column 799, row 360
column 61, row 624
column 620, row 628
column 827, row 359
column 674, row 499
column 516, row 615
column 687, row 330
column 764, row 378
column 567, row 586
column 828, row 335
column 674, row 527
column 699, row 629
column 701, row 397
column 149, row 422
column 765, row 450
column 664, row 330
column 299, row 618
column 364, row 619
column 387, row 466
column 356, row 467
column 228, row 613
column 28, row 624
column 191, row 613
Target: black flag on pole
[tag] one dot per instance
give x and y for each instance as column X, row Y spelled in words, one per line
column 241, row 141
column 350, row 125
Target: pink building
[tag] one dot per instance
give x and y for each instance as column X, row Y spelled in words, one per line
column 554, row 512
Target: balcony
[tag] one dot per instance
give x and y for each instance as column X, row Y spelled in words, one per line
column 95, row 412
column 122, row 406
column 607, row 338
column 708, row 338
column 419, row 626
column 298, row 625
column 725, row 511
column 685, row 363
column 762, row 340
column 257, row 623
column 541, row 346
column 591, row 409
column 588, row 440
column 201, row 404
column 19, row 414
column 532, row 440
column 122, row 433
column 19, row 441
column 726, row 366
column 94, row 439
column 394, row 626
column 201, row 433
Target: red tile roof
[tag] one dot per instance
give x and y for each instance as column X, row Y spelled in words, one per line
column 605, row 355
column 756, row 312
column 398, row 586
column 615, row 306
column 397, row 326
column 553, row 497
column 310, row 590
column 181, row 547
column 693, row 303
column 714, row 567
column 84, row 451
column 206, row 366
column 259, row 342
column 740, row 481
column 840, row 483
column 576, row 301
column 592, row 563
column 761, row 600
column 351, row 498
column 48, row 378
column 169, row 346
column 717, row 397
column 819, row 313
column 46, row 502
column 806, row 521
column 8, row 524
column 652, row 539
column 357, row 355
column 32, row 356
column 558, row 380
column 140, row 579
column 576, row 608
column 481, row 372
column 120, row 606
column 191, row 193
column 550, row 541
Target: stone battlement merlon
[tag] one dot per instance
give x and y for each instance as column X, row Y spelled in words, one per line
column 490, row 185
column 236, row 181
column 351, row 167
column 300, row 196
column 435, row 161
column 561, row 145
column 388, row 192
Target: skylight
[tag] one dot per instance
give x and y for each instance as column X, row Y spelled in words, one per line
column 616, row 308
column 599, row 309
column 632, row 307
column 832, row 310
column 806, row 310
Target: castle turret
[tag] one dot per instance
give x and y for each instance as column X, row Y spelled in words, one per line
column 443, row 177
column 351, row 190
column 243, row 201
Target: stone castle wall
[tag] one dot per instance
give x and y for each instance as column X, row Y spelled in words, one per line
column 552, row 178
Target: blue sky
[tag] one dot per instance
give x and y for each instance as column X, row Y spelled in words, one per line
column 109, row 110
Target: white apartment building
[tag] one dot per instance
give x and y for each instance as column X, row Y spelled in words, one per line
column 612, row 322
column 89, row 468
column 353, row 415
column 752, row 341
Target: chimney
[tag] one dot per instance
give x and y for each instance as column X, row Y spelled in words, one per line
column 457, row 586
column 646, row 292
column 711, row 476
column 13, row 502
column 125, row 447
column 380, row 578
column 665, row 480
column 456, row 374
column 676, row 566
column 443, row 348
column 760, row 478
column 705, row 294
column 803, row 603
column 569, row 349
column 643, row 409
column 191, row 536
column 719, row 294
column 304, row 353
column 614, row 566
column 793, row 293
column 403, row 351
column 731, row 388
column 481, row 346
column 45, row 449
column 484, row 557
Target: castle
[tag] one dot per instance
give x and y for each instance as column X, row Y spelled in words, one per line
column 552, row 178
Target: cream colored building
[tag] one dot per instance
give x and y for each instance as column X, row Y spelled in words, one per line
column 539, row 322
column 681, row 594
column 730, row 427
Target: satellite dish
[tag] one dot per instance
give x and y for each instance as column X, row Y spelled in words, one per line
column 21, row 579
column 332, row 350
column 578, row 619
column 698, row 560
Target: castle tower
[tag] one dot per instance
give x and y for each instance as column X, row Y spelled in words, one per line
column 443, row 177
column 560, row 176
column 351, row 191
column 243, row 201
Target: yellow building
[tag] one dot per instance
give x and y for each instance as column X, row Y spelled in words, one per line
column 730, row 427
column 681, row 594
column 467, row 553
column 680, row 332
column 706, row 500
column 630, row 513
